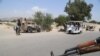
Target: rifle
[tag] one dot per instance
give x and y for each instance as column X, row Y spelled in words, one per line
column 82, row 51
column 73, row 53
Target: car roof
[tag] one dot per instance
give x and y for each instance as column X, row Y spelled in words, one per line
column 75, row 21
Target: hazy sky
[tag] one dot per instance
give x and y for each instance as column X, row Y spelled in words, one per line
column 25, row 8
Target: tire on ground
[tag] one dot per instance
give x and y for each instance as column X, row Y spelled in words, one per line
column 29, row 29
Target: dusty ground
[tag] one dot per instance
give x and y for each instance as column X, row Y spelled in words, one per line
column 40, row 44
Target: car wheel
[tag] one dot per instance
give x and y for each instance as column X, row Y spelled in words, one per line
column 80, row 32
column 38, row 30
column 69, row 31
column 29, row 29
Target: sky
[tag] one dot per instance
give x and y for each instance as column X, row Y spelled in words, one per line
column 26, row 8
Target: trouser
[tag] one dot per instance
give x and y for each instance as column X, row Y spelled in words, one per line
column 18, row 30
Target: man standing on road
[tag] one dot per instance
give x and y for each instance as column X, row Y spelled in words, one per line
column 18, row 25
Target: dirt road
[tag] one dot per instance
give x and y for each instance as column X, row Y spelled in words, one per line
column 40, row 44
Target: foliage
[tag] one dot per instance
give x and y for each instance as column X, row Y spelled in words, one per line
column 78, row 10
column 47, row 22
column 0, row 20
column 44, row 20
column 38, row 18
column 93, row 21
column 98, row 22
column 61, row 20
column 14, row 20
column 9, row 24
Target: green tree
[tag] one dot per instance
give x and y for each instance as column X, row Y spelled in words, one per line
column 0, row 20
column 78, row 10
column 47, row 22
column 93, row 21
column 38, row 17
column 44, row 20
column 61, row 20
column 98, row 22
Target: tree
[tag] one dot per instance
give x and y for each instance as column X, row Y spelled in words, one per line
column 14, row 20
column 44, row 20
column 38, row 17
column 78, row 10
column 93, row 21
column 47, row 22
column 98, row 22
column 0, row 20
column 61, row 20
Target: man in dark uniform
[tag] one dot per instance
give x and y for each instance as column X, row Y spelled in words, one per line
column 18, row 27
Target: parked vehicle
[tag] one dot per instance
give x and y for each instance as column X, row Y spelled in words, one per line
column 90, row 28
column 31, row 27
column 74, row 27
column 28, row 27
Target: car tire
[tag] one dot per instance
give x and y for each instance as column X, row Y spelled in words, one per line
column 38, row 30
column 29, row 30
column 80, row 32
column 69, row 32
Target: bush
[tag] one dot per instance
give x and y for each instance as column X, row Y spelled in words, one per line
column 45, row 21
